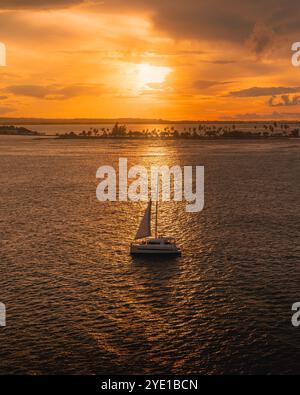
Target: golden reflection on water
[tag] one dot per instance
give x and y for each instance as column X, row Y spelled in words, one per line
column 79, row 303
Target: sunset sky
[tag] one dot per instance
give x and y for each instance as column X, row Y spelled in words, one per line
column 166, row 59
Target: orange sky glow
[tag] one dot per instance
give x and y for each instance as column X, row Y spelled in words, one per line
column 149, row 59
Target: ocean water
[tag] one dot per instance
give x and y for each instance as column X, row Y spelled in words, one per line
column 77, row 302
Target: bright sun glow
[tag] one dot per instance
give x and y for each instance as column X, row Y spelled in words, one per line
column 148, row 74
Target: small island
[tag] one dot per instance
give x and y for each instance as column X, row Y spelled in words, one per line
column 9, row 130
column 201, row 132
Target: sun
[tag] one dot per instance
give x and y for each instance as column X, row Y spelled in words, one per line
column 149, row 74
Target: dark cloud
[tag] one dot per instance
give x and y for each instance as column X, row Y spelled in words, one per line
column 284, row 101
column 55, row 92
column 261, row 39
column 260, row 24
column 193, row 19
column 28, row 90
column 270, row 91
column 257, row 22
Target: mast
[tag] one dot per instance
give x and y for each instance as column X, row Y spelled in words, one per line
column 156, row 217
column 156, row 208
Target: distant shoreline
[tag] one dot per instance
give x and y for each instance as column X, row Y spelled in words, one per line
column 203, row 138
column 202, row 132
column 17, row 131
column 198, row 132
column 133, row 121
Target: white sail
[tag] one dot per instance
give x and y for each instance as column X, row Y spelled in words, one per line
column 145, row 225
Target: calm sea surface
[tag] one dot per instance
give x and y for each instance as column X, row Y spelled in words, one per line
column 78, row 303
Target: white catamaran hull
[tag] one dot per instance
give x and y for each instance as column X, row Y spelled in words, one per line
column 139, row 249
column 151, row 252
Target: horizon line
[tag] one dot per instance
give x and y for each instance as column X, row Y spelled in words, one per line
column 136, row 120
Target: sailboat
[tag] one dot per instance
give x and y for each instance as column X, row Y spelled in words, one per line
column 143, row 245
